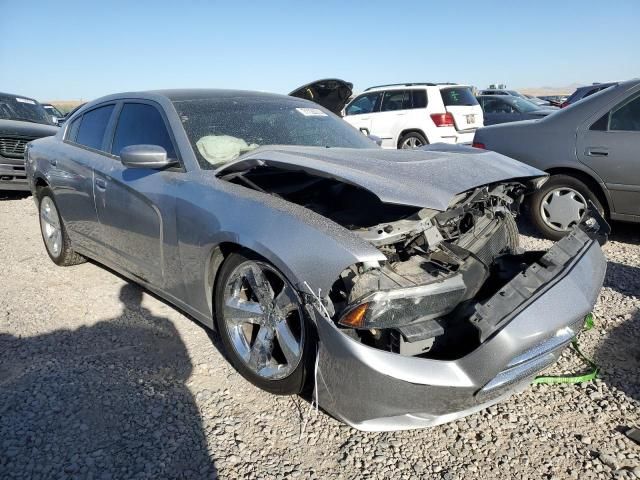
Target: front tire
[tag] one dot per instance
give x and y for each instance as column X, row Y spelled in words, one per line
column 54, row 233
column 559, row 205
column 262, row 324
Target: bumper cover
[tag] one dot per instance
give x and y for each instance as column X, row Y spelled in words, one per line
column 13, row 176
column 375, row 390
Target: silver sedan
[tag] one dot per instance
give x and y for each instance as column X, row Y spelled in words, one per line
column 389, row 283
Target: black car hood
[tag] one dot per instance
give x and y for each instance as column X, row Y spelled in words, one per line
column 428, row 178
column 331, row 93
column 26, row 129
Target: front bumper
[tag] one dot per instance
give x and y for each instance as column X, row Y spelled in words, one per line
column 13, row 175
column 375, row 390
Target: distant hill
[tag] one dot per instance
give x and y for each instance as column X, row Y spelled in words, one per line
column 64, row 106
column 537, row 91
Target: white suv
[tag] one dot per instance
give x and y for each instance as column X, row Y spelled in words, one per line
column 409, row 115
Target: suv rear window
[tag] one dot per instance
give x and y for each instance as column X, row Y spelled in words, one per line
column 458, row 96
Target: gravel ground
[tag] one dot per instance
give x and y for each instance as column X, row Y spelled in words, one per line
column 99, row 379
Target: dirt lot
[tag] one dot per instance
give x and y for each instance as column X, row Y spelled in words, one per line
column 99, row 379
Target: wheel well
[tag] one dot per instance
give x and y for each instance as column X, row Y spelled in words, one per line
column 410, row 130
column 587, row 179
column 218, row 256
column 41, row 183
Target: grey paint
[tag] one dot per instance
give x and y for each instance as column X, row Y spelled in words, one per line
column 162, row 228
column 563, row 140
column 427, row 178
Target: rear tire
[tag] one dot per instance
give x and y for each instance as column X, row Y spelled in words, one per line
column 412, row 140
column 513, row 235
column 559, row 205
column 54, row 233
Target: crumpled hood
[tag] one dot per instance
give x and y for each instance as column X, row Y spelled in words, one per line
column 427, row 178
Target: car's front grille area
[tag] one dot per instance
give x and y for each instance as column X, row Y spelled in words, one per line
column 494, row 245
column 12, row 147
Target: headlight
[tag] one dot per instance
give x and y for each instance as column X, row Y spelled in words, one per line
column 395, row 308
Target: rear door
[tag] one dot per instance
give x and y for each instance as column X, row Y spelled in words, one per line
column 360, row 111
column 463, row 106
column 133, row 204
column 74, row 180
column 611, row 147
column 387, row 124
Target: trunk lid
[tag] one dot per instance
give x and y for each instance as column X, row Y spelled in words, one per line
column 331, row 93
column 463, row 106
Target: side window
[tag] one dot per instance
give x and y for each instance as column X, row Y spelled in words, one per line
column 72, row 131
column 92, row 127
column 141, row 124
column 419, row 98
column 602, row 124
column 494, row 105
column 395, row 100
column 363, row 104
column 627, row 117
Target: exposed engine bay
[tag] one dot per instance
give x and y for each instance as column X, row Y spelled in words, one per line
column 439, row 266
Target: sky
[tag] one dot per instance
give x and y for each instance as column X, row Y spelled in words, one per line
column 71, row 50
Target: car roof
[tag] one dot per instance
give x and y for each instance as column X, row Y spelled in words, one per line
column 177, row 95
column 3, row 94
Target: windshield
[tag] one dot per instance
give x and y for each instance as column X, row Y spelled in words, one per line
column 25, row 109
column 53, row 110
column 523, row 105
column 222, row 129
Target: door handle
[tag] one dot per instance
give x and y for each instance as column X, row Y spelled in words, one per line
column 101, row 183
column 597, row 152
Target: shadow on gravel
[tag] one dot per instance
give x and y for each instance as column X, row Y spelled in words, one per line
column 104, row 401
column 11, row 195
column 619, row 357
column 623, row 278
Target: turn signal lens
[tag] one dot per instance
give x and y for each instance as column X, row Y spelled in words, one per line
column 355, row 318
column 479, row 145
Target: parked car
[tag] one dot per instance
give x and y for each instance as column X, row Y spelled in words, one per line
column 584, row 92
column 391, row 281
column 411, row 115
column 55, row 115
column 69, row 114
column 554, row 100
column 539, row 101
column 332, row 93
column 590, row 150
column 22, row 119
column 503, row 92
column 507, row 108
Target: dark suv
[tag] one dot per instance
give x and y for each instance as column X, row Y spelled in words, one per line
column 22, row 119
column 584, row 92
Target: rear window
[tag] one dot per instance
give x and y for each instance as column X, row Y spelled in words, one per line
column 458, row 96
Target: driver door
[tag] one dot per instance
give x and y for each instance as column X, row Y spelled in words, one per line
column 136, row 206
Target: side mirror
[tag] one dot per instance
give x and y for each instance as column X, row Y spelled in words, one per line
column 144, row 156
column 376, row 139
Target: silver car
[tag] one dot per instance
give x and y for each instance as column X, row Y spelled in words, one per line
column 390, row 283
column 590, row 149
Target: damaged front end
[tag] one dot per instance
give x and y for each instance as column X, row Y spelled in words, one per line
column 455, row 316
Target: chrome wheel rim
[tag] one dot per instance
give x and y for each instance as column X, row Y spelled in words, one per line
column 563, row 208
column 50, row 226
column 263, row 316
column 411, row 142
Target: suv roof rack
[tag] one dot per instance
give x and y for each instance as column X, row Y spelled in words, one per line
column 413, row 84
column 428, row 84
